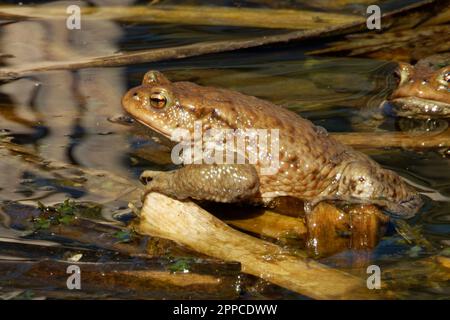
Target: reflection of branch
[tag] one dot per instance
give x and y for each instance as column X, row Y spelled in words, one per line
column 394, row 139
column 188, row 224
column 194, row 15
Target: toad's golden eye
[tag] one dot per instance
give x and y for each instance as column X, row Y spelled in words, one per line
column 158, row 100
column 444, row 78
column 447, row 77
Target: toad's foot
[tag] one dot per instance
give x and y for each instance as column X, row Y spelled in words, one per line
column 219, row 183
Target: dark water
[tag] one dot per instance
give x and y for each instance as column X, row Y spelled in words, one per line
column 63, row 115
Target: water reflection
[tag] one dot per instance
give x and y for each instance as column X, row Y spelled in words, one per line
column 63, row 114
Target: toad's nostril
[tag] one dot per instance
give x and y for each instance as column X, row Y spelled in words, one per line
column 136, row 96
column 146, row 180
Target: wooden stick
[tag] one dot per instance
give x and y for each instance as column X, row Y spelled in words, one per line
column 270, row 224
column 192, row 15
column 187, row 223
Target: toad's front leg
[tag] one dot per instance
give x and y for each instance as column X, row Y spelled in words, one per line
column 214, row 182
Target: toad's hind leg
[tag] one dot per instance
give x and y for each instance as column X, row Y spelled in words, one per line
column 214, row 182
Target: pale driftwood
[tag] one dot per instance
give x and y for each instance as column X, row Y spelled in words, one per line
column 394, row 139
column 188, row 224
column 192, row 15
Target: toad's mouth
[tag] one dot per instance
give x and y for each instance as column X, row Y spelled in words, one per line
column 163, row 132
column 420, row 108
column 169, row 133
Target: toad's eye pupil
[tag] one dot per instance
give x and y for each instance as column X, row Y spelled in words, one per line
column 158, row 101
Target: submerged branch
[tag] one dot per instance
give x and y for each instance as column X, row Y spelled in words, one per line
column 149, row 279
